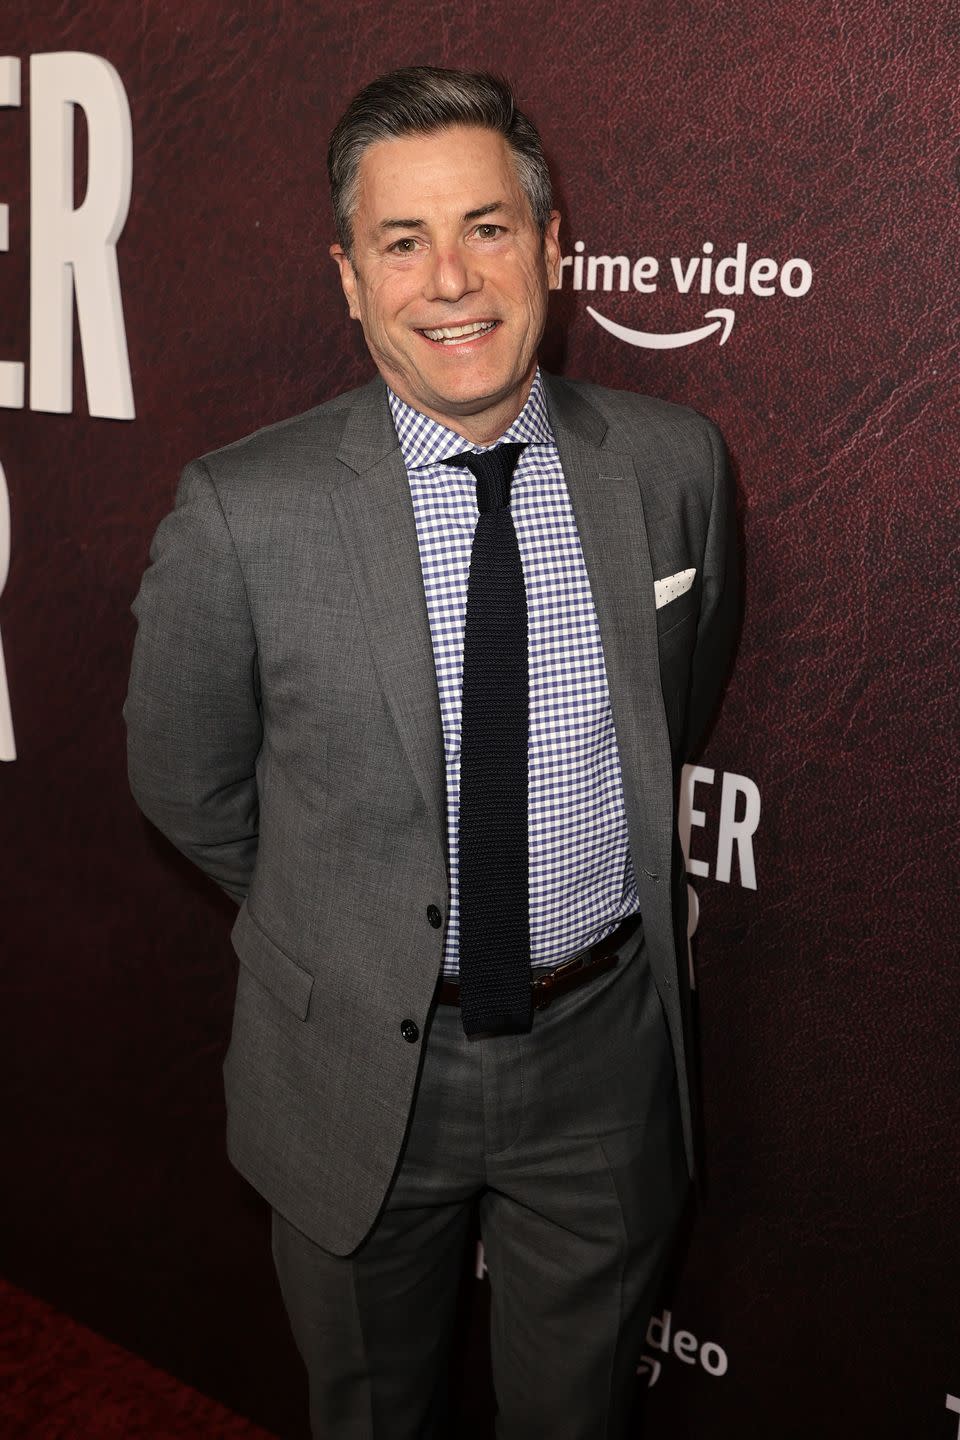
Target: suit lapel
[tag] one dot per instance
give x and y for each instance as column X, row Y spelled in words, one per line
column 606, row 494
column 375, row 514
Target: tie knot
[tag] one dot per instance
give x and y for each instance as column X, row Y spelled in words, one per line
column 493, row 470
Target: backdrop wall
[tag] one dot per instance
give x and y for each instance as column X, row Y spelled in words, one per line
column 790, row 167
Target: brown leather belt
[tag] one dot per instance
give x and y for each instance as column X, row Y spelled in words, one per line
column 578, row 970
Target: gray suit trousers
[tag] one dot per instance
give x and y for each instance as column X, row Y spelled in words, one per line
column 569, row 1140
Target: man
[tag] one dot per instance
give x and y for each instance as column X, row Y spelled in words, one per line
column 414, row 675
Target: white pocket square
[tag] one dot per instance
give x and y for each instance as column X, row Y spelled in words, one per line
column 671, row 586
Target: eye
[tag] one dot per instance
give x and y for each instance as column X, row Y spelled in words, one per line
column 406, row 246
column 488, row 231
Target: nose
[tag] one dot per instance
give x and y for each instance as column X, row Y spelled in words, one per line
column 451, row 274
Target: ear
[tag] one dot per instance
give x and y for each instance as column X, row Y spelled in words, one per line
column 348, row 279
column 551, row 250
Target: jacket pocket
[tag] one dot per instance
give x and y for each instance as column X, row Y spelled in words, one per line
column 678, row 612
column 283, row 977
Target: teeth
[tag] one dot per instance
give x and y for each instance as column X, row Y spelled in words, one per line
column 459, row 332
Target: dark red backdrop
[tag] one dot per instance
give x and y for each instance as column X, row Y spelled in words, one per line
column 824, row 1266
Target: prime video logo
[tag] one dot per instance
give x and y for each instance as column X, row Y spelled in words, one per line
column 706, row 274
column 662, row 1337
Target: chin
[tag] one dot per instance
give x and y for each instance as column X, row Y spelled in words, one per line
column 474, row 392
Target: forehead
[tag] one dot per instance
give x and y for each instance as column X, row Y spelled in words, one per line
column 449, row 172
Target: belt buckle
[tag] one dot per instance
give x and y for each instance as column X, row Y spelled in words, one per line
column 543, row 986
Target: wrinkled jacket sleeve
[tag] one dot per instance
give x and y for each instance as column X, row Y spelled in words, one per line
column 192, row 710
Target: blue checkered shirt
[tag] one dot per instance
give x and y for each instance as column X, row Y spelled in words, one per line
column 581, row 874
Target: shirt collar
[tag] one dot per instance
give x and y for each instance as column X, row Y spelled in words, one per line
column 424, row 441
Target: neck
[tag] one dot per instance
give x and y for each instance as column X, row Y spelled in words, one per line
column 485, row 427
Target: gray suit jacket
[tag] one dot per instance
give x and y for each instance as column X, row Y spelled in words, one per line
column 284, row 733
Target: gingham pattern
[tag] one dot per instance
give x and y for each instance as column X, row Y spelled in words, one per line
column 581, row 875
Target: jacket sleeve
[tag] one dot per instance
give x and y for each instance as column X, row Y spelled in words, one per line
column 720, row 603
column 193, row 705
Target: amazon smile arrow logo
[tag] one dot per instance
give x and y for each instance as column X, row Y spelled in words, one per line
column 705, row 274
column 650, row 340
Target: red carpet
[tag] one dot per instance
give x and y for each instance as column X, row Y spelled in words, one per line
column 60, row 1381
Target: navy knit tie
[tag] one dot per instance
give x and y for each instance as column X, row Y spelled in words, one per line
column 493, row 858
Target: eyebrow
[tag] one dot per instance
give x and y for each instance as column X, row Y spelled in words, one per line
column 477, row 214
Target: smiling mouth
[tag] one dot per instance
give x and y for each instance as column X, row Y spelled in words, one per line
column 459, row 334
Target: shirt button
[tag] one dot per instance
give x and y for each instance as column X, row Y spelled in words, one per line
column 434, row 916
column 410, row 1031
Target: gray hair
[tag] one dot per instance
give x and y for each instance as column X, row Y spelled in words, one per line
column 420, row 100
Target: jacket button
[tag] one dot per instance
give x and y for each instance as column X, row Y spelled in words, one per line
column 434, row 916
column 410, row 1031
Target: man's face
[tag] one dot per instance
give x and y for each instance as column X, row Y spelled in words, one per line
column 444, row 240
